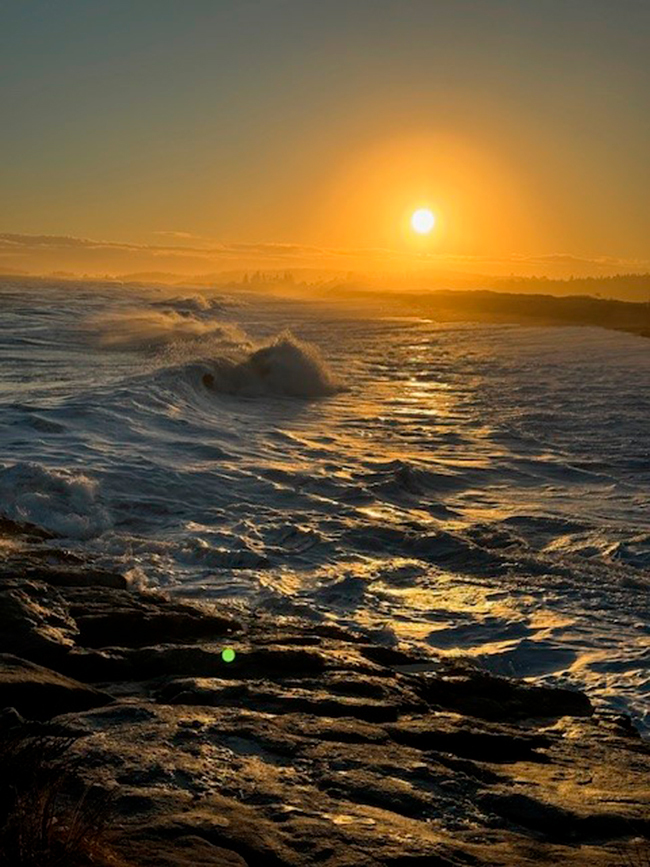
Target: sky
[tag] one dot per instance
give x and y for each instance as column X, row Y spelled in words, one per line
column 205, row 135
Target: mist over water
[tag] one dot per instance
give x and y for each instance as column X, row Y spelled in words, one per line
column 479, row 489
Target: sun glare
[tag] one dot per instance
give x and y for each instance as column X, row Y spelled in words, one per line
column 423, row 221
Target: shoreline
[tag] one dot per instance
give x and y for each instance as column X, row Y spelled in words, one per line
column 313, row 745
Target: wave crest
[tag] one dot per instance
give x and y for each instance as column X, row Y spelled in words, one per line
column 287, row 367
column 190, row 304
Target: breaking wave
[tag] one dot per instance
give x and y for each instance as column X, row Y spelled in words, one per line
column 287, row 366
column 284, row 367
column 226, row 359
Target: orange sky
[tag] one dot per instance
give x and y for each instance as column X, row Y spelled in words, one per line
column 212, row 136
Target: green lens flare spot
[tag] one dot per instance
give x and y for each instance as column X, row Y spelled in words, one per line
column 228, row 654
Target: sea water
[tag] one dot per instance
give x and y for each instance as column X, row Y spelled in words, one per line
column 482, row 490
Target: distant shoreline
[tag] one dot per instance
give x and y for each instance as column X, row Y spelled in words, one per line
column 445, row 305
column 489, row 306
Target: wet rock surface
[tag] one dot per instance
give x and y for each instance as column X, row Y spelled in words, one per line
column 311, row 746
column 40, row 693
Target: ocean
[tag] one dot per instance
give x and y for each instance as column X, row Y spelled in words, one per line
column 482, row 490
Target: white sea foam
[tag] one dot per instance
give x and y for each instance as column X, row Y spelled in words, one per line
column 67, row 504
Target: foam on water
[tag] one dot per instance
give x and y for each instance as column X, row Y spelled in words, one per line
column 480, row 489
column 65, row 503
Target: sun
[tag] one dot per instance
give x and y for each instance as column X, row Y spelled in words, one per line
column 422, row 221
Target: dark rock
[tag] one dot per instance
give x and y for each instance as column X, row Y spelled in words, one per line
column 10, row 719
column 480, row 694
column 107, row 617
column 277, row 663
column 392, row 656
column 167, row 661
column 559, row 824
column 186, row 851
column 55, row 566
column 425, row 859
column 97, row 666
column 34, row 621
column 39, row 693
column 361, row 786
column 469, row 742
column 196, row 660
column 10, row 529
column 76, row 576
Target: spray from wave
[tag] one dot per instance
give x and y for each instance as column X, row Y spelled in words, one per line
column 132, row 330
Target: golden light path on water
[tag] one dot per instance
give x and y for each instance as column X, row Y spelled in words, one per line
column 475, row 490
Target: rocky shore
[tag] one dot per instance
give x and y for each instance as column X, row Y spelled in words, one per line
column 310, row 746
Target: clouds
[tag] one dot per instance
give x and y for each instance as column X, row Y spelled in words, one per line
column 201, row 246
column 190, row 255
column 194, row 250
column 185, row 255
column 578, row 261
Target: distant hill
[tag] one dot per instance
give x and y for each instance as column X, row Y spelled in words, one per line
column 484, row 305
column 532, row 309
column 627, row 287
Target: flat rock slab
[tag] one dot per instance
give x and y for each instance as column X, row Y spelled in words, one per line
column 293, row 789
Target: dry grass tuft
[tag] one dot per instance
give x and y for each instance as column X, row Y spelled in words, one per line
column 41, row 825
